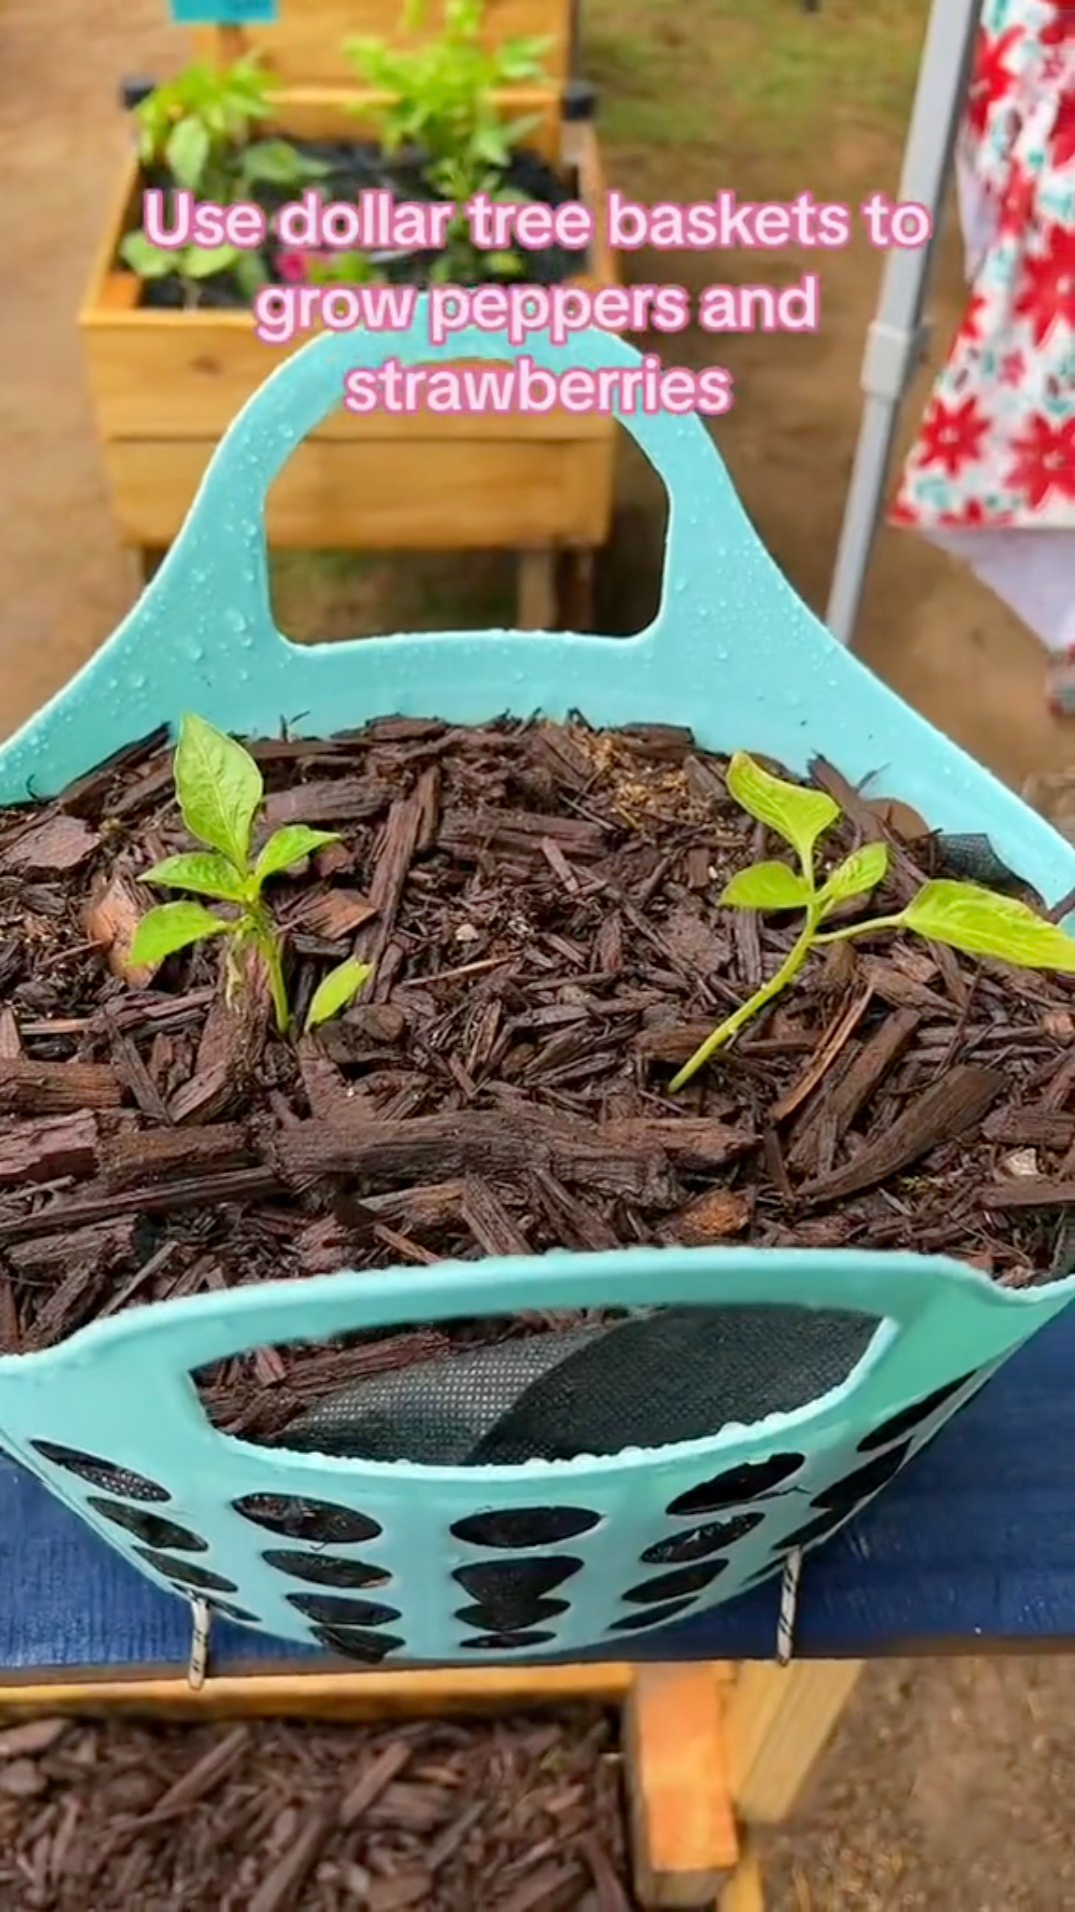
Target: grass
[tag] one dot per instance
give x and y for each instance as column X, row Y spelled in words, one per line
column 750, row 75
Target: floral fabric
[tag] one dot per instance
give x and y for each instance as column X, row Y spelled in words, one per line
column 996, row 448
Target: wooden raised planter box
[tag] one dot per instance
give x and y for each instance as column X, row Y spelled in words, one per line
column 166, row 384
column 685, row 1844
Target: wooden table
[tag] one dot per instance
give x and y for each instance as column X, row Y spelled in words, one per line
column 972, row 1550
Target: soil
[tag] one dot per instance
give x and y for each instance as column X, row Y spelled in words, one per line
column 349, row 172
column 538, row 904
column 517, row 1814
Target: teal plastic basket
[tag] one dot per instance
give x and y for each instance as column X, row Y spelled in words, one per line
column 405, row 1562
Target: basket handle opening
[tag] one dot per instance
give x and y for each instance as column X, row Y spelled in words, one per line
column 938, row 1320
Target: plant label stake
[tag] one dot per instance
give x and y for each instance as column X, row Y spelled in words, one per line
column 224, row 13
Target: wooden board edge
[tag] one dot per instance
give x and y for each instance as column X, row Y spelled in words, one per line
column 97, row 307
column 685, row 1840
column 339, row 1695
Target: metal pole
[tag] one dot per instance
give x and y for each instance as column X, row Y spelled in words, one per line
column 899, row 334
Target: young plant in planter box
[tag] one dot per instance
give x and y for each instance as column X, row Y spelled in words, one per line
column 195, row 138
column 443, row 115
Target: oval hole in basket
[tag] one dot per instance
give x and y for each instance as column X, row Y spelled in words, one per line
column 668, row 1586
column 323, row 1570
column 186, row 1572
column 737, row 1484
column 847, row 1493
column 525, row 1526
column 353, row 1644
column 234, row 1613
column 108, row 1475
column 493, row 1619
column 909, row 1417
column 638, row 1622
column 152, row 1528
column 509, row 1580
column 332, row 1610
column 697, row 1542
column 296, row 1518
column 504, row 1642
column 810, row 1531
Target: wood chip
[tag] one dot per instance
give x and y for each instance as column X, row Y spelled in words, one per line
column 49, row 1151
column 711, row 1217
column 110, row 920
column 948, row 1108
column 56, row 1088
column 61, row 843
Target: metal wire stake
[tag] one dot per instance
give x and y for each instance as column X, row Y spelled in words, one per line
column 201, row 1622
column 789, row 1600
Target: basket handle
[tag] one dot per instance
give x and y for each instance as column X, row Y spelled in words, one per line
column 925, row 1307
column 203, row 636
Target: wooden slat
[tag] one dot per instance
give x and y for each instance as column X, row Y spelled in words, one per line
column 685, row 1843
column 310, row 109
column 351, row 1696
column 779, row 1722
column 744, row 1891
column 185, row 375
column 442, row 496
column 306, row 42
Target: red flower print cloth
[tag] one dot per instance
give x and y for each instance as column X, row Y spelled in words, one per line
column 993, row 467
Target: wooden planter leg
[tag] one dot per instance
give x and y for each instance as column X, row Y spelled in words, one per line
column 779, row 1719
column 537, row 590
column 576, row 590
column 744, row 1891
column 683, row 1833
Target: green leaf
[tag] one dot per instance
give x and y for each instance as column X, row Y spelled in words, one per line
column 860, row 872
column 200, row 871
column 171, row 927
column 336, row 990
column 981, row 923
column 490, row 144
column 506, row 265
column 275, row 161
column 516, row 130
column 219, row 787
column 187, row 151
column 288, row 847
column 767, row 886
column 798, row 815
column 148, row 261
column 250, row 275
column 202, row 262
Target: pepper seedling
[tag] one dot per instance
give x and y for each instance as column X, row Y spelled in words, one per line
column 220, row 792
column 197, row 128
column 963, row 915
column 442, row 99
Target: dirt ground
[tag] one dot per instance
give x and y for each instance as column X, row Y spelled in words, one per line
column 949, row 1786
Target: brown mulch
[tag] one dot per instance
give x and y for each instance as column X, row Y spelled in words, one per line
column 540, row 903
column 515, row 1813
